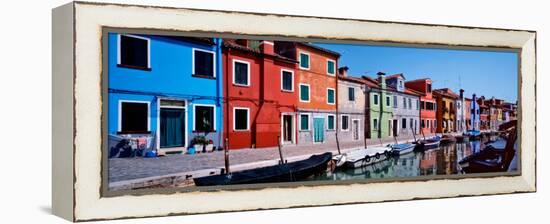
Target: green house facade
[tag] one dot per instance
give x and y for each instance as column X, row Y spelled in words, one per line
column 379, row 108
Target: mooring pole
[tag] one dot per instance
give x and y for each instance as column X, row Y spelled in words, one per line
column 226, row 155
column 337, row 143
column 365, row 142
column 414, row 136
column 280, row 150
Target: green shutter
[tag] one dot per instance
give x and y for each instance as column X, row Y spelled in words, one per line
column 304, row 60
column 330, row 67
column 330, row 122
column 304, row 119
column 304, row 93
column 330, row 95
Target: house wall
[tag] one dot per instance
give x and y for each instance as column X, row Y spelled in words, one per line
column 354, row 109
column 401, row 111
column 429, row 116
column 446, row 118
column 170, row 76
column 264, row 97
column 381, row 112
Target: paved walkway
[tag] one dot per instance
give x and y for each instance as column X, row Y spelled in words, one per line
column 123, row 171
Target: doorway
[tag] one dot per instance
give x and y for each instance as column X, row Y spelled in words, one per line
column 172, row 124
column 287, row 129
column 395, row 126
column 355, row 129
column 318, row 129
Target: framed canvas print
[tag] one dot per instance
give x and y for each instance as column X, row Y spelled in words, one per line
column 158, row 110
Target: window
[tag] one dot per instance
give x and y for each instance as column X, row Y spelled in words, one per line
column 375, row 96
column 429, row 87
column 331, row 67
column 204, row 120
column 351, row 94
column 428, row 122
column 394, row 101
column 133, row 52
column 304, row 122
column 345, row 122
column 411, row 123
column 241, row 118
column 410, row 103
column 404, row 103
column 422, row 105
column 404, row 123
column 422, row 124
column 330, row 122
column 304, row 93
column 241, row 73
column 387, row 101
column 375, row 124
column 203, row 63
column 330, row 96
column 430, row 106
column 134, row 117
column 287, row 80
column 400, row 83
column 304, row 60
column 417, row 104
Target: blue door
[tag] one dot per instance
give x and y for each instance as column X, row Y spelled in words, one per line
column 172, row 127
column 318, row 129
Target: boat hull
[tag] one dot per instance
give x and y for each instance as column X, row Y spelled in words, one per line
column 287, row 172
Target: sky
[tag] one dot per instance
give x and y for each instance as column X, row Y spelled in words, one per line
column 487, row 73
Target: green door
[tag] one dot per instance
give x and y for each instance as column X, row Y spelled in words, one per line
column 318, row 129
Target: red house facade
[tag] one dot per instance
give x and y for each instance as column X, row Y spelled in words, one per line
column 483, row 114
column 260, row 95
column 428, row 106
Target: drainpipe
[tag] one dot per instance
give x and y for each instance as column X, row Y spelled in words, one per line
column 227, row 97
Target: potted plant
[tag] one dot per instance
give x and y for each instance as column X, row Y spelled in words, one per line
column 209, row 145
column 199, row 143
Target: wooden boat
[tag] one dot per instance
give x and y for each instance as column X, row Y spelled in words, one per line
column 447, row 139
column 493, row 158
column 473, row 134
column 364, row 157
column 401, row 149
column 429, row 143
column 287, row 172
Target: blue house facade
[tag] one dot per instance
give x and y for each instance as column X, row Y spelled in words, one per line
column 168, row 89
column 474, row 117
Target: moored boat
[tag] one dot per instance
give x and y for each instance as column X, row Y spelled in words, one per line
column 286, row 172
column 403, row 148
column 429, row 143
column 364, row 157
column 462, row 138
column 473, row 134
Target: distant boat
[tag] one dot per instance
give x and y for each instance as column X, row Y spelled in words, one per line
column 404, row 148
column 287, row 172
column 429, row 143
column 447, row 139
column 363, row 157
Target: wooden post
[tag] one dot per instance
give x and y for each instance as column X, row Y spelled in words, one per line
column 414, row 136
column 280, row 150
column 226, row 155
column 365, row 141
column 337, row 142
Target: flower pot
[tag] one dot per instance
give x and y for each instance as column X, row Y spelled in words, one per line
column 209, row 147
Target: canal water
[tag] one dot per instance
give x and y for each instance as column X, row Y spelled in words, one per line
column 439, row 161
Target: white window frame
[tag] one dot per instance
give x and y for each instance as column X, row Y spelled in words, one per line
column 134, row 101
column 334, row 120
column 282, row 87
column 193, row 61
column 328, row 73
column 377, row 101
column 308, row 93
column 247, row 118
column 300, row 60
column 247, row 71
column 308, row 121
column 334, row 96
column 214, row 115
column 342, row 122
column 119, row 55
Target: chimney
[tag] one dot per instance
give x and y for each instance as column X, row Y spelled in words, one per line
column 461, row 94
column 267, row 47
column 382, row 79
column 343, row 71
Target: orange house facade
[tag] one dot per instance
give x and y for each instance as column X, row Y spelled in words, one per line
column 316, row 77
column 428, row 104
column 260, row 95
column 446, row 110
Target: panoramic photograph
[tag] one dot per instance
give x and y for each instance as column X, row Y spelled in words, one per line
column 196, row 111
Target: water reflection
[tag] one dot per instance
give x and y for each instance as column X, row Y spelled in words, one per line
column 440, row 161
